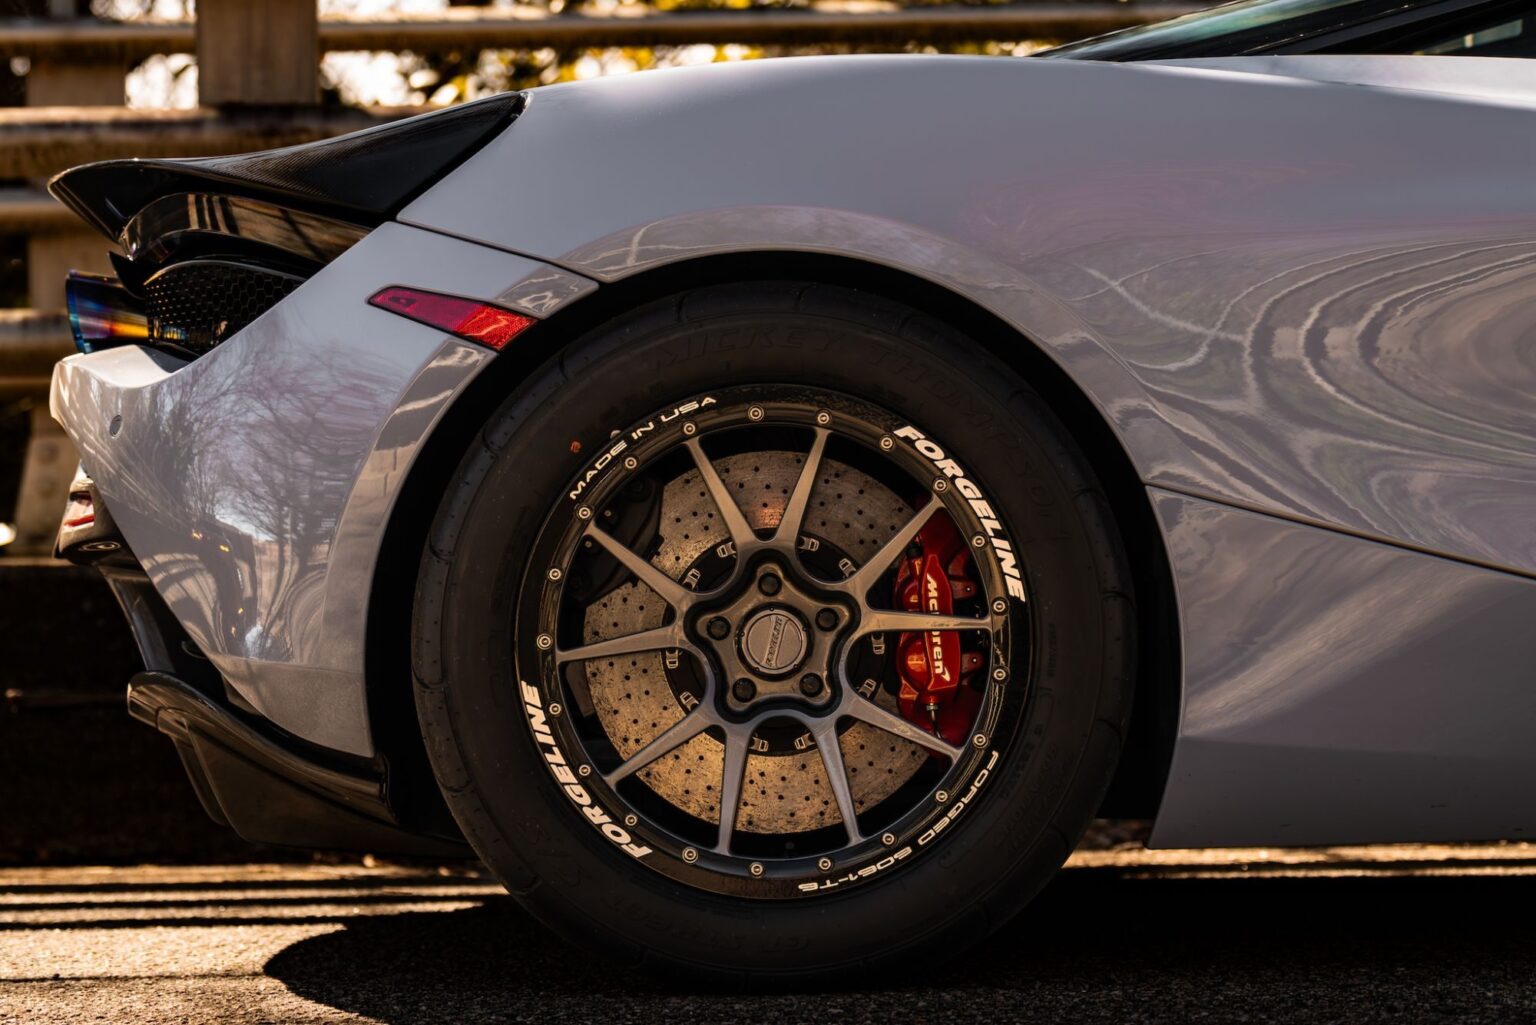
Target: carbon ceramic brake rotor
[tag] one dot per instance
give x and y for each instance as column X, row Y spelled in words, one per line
column 783, row 792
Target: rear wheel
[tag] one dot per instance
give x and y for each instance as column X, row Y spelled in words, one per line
column 777, row 630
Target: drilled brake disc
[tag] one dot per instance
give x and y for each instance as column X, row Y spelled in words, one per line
column 783, row 792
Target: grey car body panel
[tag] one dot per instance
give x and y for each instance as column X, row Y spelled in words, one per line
column 1261, row 280
column 1342, row 691
column 1301, row 306
column 255, row 484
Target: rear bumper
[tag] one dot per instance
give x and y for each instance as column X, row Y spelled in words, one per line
column 254, row 485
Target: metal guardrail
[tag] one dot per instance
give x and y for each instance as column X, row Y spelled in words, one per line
column 37, row 142
column 471, row 28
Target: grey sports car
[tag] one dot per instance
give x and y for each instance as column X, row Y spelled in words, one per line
column 766, row 511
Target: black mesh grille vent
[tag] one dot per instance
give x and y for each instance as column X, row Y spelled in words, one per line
column 197, row 304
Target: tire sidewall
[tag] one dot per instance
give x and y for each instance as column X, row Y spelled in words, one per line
column 996, row 855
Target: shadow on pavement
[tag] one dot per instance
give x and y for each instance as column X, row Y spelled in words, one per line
column 1095, row 947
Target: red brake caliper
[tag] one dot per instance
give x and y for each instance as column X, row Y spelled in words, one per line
column 933, row 665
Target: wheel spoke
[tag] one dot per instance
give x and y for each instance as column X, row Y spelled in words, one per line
column 674, row 736
column 672, row 592
column 787, row 534
column 662, row 637
column 865, row 576
column 837, row 778
column 880, row 621
column 730, row 513
column 867, row 711
column 738, row 742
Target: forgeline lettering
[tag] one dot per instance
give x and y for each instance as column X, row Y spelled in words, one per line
column 1007, row 560
column 555, row 759
column 603, row 461
column 895, row 857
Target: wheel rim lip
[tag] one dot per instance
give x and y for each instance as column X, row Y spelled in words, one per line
column 867, row 432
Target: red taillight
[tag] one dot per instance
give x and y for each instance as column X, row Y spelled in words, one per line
column 80, row 511
column 467, row 318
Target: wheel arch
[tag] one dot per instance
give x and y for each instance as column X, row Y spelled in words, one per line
column 1142, row 773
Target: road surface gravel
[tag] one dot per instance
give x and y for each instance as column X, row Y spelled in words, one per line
column 1382, row 934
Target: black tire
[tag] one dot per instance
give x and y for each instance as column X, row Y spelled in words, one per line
column 1042, row 792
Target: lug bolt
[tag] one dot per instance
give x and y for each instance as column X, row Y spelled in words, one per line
column 718, row 628
column 810, row 685
column 743, row 690
column 826, row 618
column 770, row 584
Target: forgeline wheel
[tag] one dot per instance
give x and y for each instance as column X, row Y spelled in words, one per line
column 773, row 631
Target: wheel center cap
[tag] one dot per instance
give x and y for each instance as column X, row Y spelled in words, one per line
column 773, row 642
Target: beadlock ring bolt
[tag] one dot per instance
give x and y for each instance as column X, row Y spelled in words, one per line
column 826, row 619
column 999, row 606
column 888, row 839
column 941, row 796
column 810, row 685
column 757, row 868
column 743, row 690
column 630, row 462
column 940, row 485
column 755, row 413
column 583, row 513
column 545, row 642
column 690, row 428
column 585, row 770
column 825, row 864
column 719, row 628
column 887, row 443
column 690, row 855
column 770, row 584
column 823, row 418
column 980, row 740
column 554, row 573
column 978, row 541
column 554, row 708
column 999, row 674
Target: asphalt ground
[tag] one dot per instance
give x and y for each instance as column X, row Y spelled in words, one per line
column 1384, row 934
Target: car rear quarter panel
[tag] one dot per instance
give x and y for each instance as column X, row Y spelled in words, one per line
column 255, row 483
column 1309, row 297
